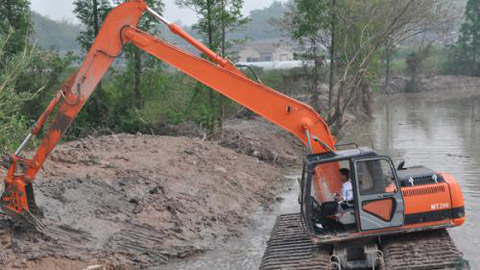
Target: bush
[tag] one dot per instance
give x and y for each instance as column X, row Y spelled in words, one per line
column 12, row 124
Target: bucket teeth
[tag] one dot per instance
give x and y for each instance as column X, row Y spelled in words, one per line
column 27, row 216
column 32, row 205
column 34, row 221
column 27, row 211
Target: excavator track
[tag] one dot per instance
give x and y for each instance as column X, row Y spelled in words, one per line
column 428, row 250
column 290, row 247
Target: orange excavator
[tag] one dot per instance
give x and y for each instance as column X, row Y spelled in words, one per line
column 397, row 217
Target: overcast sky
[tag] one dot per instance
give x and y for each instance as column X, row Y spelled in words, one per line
column 62, row 9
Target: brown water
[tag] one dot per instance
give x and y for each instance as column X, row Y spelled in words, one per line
column 443, row 135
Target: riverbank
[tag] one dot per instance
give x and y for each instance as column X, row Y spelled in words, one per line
column 138, row 201
column 440, row 83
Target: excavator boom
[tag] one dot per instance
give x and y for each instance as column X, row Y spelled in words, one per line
column 120, row 28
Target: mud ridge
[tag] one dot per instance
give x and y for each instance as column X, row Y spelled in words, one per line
column 136, row 201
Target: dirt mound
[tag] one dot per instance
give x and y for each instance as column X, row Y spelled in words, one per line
column 263, row 140
column 134, row 201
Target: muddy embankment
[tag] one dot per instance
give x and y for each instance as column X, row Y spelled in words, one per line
column 460, row 84
column 136, row 201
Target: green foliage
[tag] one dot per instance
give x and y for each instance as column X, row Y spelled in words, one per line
column 45, row 72
column 169, row 98
column 15, row 22
column 91, row 14
column 359, row 38
column 313, row 22
column 146, row 23
column 24, row 70
column 311, row 18
column 464, row 55
column 12, row 124
column 415, row 63
column 398, row 66
column 168, row 101
column 216, row 19
column 84, row 11
column 107, row 110
column 141, row 97
column 433, row 64
column 288, row 81
column 354, row 33
column 139, row 62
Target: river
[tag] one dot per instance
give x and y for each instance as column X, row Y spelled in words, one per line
column 440, row 134
column 444, row 135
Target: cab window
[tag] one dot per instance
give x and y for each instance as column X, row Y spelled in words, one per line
column 375, row 177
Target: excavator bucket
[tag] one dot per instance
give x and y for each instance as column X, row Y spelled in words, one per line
column 32, row 205
column 11, row 204
column 33, row 215
column 18, row 199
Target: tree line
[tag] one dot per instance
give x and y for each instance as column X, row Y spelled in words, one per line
column 360, row 38
column 463, row 57
column 139, row 94
column 350, row 43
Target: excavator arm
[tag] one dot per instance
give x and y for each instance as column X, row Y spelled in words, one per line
column 120, row 28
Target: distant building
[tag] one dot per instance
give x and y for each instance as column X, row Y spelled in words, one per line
column 268, row 50
column 276, row 64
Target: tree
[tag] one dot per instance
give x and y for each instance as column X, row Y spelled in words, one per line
column 15, row 22
column 12, row 124
column 471, row 32
column 45, row 66
column 139, row 61
column 428, row 16
column 91, row 14
column 464, row 55
column 312, row 24
column 415, row 62
column 46, row 70
column 216, row 19
column 359, row 30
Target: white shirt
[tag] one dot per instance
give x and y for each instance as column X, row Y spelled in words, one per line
column 347, row 191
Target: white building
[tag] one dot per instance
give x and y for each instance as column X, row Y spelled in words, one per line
column 268, row 50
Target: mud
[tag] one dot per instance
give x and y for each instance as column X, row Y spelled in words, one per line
column 245, row 252
column 138, row 201
column 261, row 139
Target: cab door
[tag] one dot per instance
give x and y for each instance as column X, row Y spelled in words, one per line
column 379, row 199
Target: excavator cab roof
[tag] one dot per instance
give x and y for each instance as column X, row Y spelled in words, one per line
column 340, row 155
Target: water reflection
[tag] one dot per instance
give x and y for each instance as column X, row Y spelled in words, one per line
column 442, row 135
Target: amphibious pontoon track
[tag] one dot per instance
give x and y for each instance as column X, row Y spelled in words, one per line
column 428, row 250
column 290, row 247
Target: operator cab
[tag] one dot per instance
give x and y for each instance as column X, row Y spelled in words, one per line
column 377, row 199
